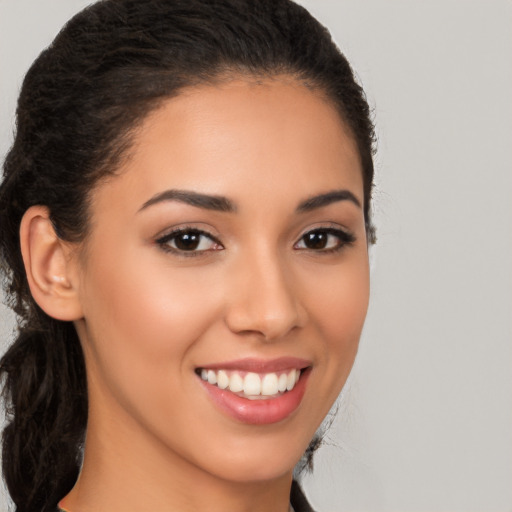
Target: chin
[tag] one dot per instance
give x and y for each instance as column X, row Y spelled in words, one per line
column 257, row 461
column 259, row 471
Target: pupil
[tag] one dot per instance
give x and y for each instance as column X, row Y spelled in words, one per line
column 316, row 240
column 187, row 241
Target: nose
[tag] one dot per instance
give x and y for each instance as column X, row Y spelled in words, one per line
column 263, row 299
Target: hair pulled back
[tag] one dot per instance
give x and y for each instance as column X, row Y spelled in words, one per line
column 79, row 107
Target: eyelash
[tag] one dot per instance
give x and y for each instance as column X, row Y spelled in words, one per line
column 344, row 238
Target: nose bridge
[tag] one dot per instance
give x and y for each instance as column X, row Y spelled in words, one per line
column 263, row 297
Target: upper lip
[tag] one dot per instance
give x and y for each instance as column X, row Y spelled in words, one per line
column 250, row 364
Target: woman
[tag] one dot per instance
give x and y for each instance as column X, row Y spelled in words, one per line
column 185, row 218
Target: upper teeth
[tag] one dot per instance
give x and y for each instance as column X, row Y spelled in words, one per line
column 250, row 384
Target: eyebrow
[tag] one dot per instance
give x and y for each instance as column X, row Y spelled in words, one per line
column 223, row 204
column 208, row 202
column 326, row 199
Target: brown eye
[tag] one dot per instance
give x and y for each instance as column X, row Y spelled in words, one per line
column 187, row 241
column 191, row 241
column 326, row 239
column 316, row 240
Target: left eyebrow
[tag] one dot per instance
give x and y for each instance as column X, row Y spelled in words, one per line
column 312, row 203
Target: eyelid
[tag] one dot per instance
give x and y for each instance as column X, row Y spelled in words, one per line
column 326, row 226
column 199, row 226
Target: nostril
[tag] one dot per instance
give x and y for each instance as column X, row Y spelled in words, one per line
column 269, row 326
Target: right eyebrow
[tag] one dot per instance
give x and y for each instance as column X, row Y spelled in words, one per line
column 205, row 201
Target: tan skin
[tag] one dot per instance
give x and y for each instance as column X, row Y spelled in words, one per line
column 149, row 314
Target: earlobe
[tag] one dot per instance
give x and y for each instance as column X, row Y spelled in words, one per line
column 50, row 269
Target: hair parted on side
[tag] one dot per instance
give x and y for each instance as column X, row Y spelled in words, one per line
column 78, row 111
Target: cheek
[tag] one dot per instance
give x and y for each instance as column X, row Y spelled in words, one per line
column 338, row 309
column 143, row 322
column 145, row 316
column 340, row 300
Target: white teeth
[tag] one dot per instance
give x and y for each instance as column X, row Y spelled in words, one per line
column 290, row 380
column 281, row 383
column 222, row 379
column 269, row 385
column 252, row 385
column 236, row 384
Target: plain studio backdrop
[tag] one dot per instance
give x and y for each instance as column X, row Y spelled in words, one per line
column 425, row 422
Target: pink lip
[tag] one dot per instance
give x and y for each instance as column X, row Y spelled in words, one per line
column 261, row 365
column 259, row 412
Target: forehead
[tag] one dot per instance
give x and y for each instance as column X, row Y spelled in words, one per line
column 274, row 137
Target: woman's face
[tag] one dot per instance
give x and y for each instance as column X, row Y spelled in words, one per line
column 230, row 247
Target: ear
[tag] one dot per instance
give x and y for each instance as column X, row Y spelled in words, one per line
column 50, row 266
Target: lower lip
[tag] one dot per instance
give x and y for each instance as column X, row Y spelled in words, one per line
column 259, row 412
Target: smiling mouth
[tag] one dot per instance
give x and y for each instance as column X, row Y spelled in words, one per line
column 252, row 385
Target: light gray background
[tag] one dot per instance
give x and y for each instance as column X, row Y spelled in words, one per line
column 425, row 423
